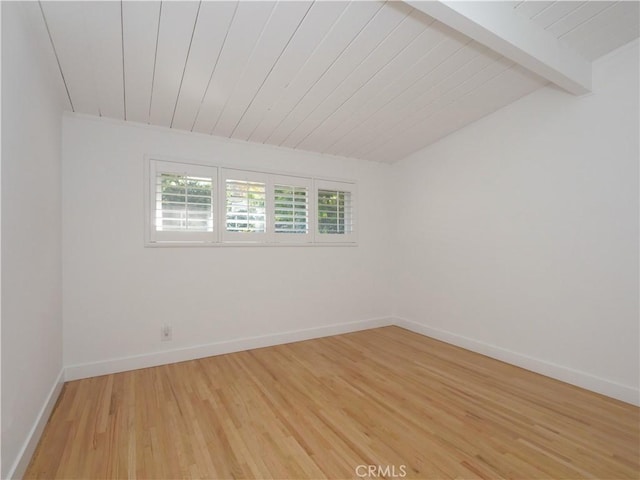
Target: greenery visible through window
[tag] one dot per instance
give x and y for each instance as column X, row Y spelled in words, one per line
column 291, row 209
column 183, row 203
column 246, row 206
column 199, row 204
column 334, row 212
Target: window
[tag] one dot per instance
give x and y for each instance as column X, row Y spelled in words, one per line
column 182, row 199
column 292, row 208
column 335, row 207
column 334, row 212
column 265, row 208
column 183, row 203
column 189, row 204
column 245, row 206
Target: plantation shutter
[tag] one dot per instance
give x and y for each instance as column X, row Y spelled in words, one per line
column 335, row 211
column 292, row 201
column 183, row 200
column 190, row 204
column 246, row 206
column 184, row 203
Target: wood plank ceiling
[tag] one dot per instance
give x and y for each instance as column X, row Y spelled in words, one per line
column 371, row 80
column 592, row 28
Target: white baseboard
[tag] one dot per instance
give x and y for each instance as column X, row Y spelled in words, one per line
column 574, row 377
column 581, row 379
column 24, row 457
column 115, row 365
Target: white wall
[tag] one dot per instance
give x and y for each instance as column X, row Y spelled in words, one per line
column 31, row 241
column 519, row 225
column 118, row 294
column 518, row 235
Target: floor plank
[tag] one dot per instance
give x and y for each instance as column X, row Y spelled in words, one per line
column 385, row 397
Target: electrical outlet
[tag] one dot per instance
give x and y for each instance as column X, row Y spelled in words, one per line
column 166, row 333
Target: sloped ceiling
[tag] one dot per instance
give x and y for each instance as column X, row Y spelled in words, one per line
column 371, row 80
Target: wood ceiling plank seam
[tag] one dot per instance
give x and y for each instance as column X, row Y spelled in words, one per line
column 345, row 78
column 176, row 28
column 103, row 25
column 302, row 69
column 247, row 27
column 379, row 101
column 588, row 20
column 55, row 52
column 504, row 94
column 531, row 8
column 324, row 128
column 66, row 23
column 580, row 14
column 424, row 101
column 556, row 13
column 139, row 36
column 359, row 52
column 35, row 23
column 343, row 33
column 412, row 103
column 244, row 69
column 155, row 62
column 486, row 74
column 546, row 8
column 471, row 74
column 94, row 82
column 392, row 101
column 363, row 85
column 184, row 69
column 238, row 106
column 266, row 78
column 211, row 28
column 502, row 86
column 215, row 65
column 210, row 32
column 359, row 98
column 607, row 31
column 605, row 38
column 516, row 37
column 276, row 84
column 289, row 121
column 379, row 116
column 576, row 6
column 418, row 118
column 325, row 71
column 124, row 82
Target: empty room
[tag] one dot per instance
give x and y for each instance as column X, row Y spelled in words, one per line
column 320, row 239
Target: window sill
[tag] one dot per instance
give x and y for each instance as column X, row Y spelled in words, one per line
column 245, row 244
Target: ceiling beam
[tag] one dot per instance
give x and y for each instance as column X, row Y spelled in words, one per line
column 497, row 26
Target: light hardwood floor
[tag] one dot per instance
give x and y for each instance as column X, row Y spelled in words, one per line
column 321, row 408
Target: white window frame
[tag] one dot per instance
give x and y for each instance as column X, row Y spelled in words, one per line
column 336, row 238
column 155, row 164
column 153, row 236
